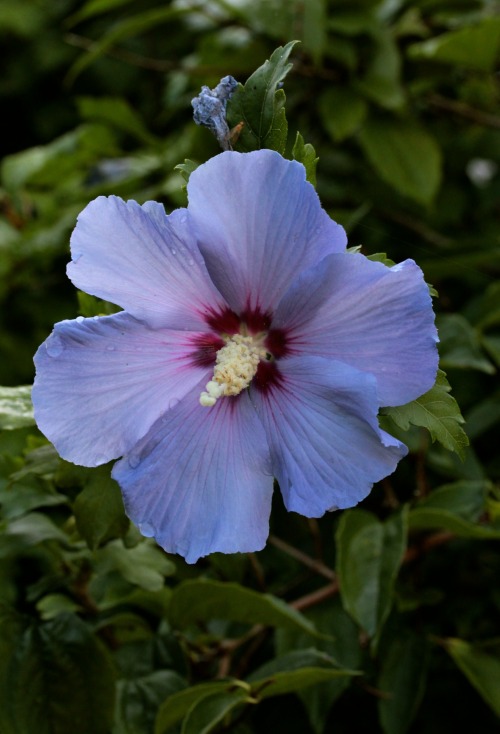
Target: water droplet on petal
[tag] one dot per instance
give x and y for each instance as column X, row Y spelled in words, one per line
column 190, row 261
column 55, row 346
column 174, row 252
column 110, row 348
column 134, row 460
column 146, row 529
column 79, row 319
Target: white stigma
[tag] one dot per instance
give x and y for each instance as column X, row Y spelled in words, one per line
column 235, row 367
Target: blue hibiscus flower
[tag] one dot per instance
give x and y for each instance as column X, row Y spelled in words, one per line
column 251, row 345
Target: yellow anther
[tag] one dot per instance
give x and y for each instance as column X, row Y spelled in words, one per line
column 235, row 367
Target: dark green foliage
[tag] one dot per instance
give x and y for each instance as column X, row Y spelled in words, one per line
column 382, row 618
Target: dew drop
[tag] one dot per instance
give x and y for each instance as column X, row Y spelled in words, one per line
column 174, row 252
column 55, row 346
column 110, row 348
column 190, row 261
column 79, row 319
column 146, row 529
column 134, row 460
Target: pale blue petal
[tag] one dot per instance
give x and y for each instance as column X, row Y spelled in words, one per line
column 102, row 383
column 200, row 481
column 326, row 446
column 260, row 223
column 144, row 261
column 375, row 318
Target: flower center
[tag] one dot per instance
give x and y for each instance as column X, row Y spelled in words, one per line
column 235, row 367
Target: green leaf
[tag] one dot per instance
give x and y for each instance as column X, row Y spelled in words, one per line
column 483, row 415
column 455, row 507
column 404, row 155
column 381, row 257
column 369, row 553
column 138, row 699
column 53, row 605
column 35, row 528
column 132, row 26
column 210, row 710
column 480, row 666
column 438, row 412
column 465, row 498
column 175, row 708
column 295, row 671
column 145, row 565
column 96, row 7
column 57, row 678
column 475, row 47
column 402, row 680
column 342, row 112
column 460, row 346
column 99, row 510
column 116, row 112
column 260, row 105
column 382, row 81
column 16, row 409
column 203, row 599
column 340, row 640
column 186, row 168
column 304, row 153
column 314, row 28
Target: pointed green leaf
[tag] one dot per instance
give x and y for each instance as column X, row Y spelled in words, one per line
column 382, row 81
column 260, row 105
column 138, row 699
column 340, row 640
column 130, row 26
column 186, row 168
column 481, row 666
column 304, row 153
column 369, row 553
column 342, row 111
column 460, row 346
column 117, row 113
column 99, row 510
column 144, row 565
column 475, row 47
column 175, row 708
column 16, row 409
column 456, row 507
column 209, row 711
column 295, row 671
column 402, row 681
column 57, row 678
column 438, row 412
column 404, row 155
column 203, row 599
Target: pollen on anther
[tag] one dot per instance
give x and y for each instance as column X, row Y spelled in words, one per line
column 235, row 367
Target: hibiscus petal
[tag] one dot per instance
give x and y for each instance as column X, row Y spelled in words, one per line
column 102, row 383
column 199, row 482
column 143, row 260
column 260, row 223
column 326, row 446
column 375, row 318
